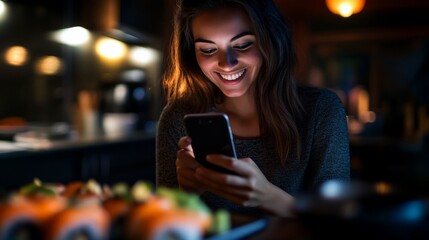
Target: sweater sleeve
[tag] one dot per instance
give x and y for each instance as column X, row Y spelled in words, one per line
column 170, row 129
column 330, row 156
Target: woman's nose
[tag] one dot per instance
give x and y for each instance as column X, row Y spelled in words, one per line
column 227, row 59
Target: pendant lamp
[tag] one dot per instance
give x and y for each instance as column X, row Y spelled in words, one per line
column 345, row 8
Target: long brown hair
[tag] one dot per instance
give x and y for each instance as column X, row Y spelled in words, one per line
column 276, row 96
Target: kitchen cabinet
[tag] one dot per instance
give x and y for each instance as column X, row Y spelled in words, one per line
column 105, row 159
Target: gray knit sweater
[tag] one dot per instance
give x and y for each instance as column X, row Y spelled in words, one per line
column 324, row 149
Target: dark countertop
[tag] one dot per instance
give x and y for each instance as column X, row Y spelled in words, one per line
column 10, row 149
column 105, row 158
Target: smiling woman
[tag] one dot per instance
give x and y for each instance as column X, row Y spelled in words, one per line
column 237, row 57
column 225, row 50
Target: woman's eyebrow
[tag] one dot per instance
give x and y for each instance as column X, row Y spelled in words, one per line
column 241, row 35
column 202, row 40
column 232, row 39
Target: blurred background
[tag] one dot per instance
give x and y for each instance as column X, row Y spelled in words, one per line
column 80, row 69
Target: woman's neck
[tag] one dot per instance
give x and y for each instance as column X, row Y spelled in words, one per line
column 240, row 107
column 242, row 114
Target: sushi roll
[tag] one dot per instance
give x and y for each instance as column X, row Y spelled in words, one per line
column 24, row 213
column 83, row 219
column 169, row 214
column 122, row 199
column 142, row 213
column 81, row 190
column 18, row 220
column 175, row 224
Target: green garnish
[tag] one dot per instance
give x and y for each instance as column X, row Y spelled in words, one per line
column 221, row 222
column 141, row 191
column 184, row 200
column 37, row 187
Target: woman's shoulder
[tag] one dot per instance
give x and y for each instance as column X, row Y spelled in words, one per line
column 170, row 122
column 180, row 108
column 315, row 92
column 171, row 115
column 175, row 111
column 311, row 96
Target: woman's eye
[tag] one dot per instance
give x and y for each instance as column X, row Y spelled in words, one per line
column 208, row 51
column 243, row 46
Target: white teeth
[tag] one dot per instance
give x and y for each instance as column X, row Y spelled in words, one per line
column 231, row 77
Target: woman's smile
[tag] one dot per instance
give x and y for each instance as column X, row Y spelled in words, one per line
column 233, row 77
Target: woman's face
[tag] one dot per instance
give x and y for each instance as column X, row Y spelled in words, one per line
column 226, row 49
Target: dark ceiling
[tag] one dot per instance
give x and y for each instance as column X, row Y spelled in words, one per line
column 376, row 13
column 145, row 14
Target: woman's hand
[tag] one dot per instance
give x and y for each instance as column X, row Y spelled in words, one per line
column 248, row 188
column 186, row 166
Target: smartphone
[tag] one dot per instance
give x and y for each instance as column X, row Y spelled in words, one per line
column 210, row 134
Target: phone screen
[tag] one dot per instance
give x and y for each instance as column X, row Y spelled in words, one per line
column 210, row 134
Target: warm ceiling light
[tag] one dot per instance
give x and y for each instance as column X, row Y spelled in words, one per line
column 73, row 36
column 16, row 55
column 48, row 65
column 110, row 48
column 2, row 9
column 345, row 8
column 142, row 56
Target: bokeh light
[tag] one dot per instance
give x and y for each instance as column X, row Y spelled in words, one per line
column 74, row 36
column 111, row 49
column 16, row 55
column 48, row 65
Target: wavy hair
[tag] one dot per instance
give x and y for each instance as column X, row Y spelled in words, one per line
column 276, row 96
